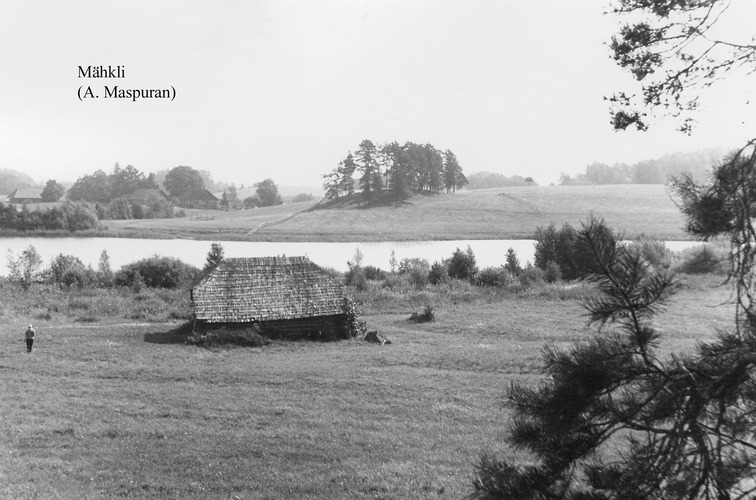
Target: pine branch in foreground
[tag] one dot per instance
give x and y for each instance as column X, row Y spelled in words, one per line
column 613, row 421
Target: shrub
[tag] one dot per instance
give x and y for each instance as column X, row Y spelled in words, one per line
column 494, row 277
column 424, row 317
column 532, row 276
column 157, row 272
column 568, row 251
column 653, row 252
column 351, row 326
column 703, row 259
column 374, row 273
column 513, row 263
column 396, row 282
column 24, row 269
column 59, row 265
column 418, row 278
column 416, row 270
column 79, row 216
column 355, row 276
column 438, row 273
column 462, row 265
column 79, row 277
column 552, row 273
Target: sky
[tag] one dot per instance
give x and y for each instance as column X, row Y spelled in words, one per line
column 283, row 89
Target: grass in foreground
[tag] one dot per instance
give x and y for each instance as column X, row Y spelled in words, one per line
column 104, row 410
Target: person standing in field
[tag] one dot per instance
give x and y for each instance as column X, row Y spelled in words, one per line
column 29, row 338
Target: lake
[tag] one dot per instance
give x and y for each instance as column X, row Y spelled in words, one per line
column 336, row 255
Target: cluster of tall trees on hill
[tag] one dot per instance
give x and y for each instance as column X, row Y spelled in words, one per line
column 394, row 170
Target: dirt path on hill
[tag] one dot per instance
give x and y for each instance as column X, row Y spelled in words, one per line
column 284, row 219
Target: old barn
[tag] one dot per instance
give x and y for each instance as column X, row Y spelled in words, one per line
column 288, row 297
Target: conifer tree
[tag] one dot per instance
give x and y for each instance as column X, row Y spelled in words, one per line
column 214, row 257
column 615, row 420
column 367, row 163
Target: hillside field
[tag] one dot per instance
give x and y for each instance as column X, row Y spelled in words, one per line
column 500, row 213
column 109, row 409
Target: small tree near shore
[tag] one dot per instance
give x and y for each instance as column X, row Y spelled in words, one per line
column 513, row 263
column 214, row 257
column 24, row 269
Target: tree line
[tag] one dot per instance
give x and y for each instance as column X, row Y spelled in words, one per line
column 103, row 196
column 70, row 216
column 395, row 171
column 657, row 171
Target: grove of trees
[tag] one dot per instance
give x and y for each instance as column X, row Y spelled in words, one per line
column 67, row 217
column 101, row 187
column 484, row 180
column 394, row 171
column 110, row 194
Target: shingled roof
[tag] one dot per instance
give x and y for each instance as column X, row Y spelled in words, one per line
column 25, row 193
column 265, row 289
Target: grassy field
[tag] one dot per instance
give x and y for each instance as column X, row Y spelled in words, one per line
column 501, row 213
column 122, row 408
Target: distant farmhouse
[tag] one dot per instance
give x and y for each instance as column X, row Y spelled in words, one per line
column 26, row 195
column 287, row 297
column 147, row 196
column 198, row 198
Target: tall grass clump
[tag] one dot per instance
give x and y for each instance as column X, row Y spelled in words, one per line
column 426, row 316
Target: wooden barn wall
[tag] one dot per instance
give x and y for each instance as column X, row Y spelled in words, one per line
column 285, row 328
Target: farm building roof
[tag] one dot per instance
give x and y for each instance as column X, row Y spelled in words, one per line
column 199, row 195
column 265, row 289
column 146, row 195
column 25, row 193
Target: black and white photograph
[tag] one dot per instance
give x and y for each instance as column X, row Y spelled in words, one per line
column 378, row 249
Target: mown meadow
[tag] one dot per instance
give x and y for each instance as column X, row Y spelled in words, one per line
column 499, row 213
column 116, row 404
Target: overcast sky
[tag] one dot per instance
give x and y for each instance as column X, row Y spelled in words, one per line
column 283, row 89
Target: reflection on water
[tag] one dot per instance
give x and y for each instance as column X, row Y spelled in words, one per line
column 123, row 250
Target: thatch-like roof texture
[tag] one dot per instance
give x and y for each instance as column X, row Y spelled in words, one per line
column 25, row 193
column 265, row 289
column 198, row 195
